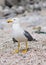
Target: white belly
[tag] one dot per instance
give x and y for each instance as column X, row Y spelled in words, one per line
column 19, row 36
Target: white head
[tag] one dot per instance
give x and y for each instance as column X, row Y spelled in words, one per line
column 15, row 23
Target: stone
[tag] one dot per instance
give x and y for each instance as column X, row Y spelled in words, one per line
column 20, row 10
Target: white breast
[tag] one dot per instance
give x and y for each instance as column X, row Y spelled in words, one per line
column 18, row 33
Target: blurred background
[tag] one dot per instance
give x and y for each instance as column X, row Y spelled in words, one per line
column 14, row 7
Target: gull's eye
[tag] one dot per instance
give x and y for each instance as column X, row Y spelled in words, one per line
column 14, row 19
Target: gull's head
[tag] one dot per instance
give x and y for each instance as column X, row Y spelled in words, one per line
column 14, row 20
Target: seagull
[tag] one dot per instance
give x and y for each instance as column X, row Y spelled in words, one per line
column 19, row 34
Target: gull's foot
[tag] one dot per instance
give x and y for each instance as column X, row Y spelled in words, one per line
column 24, row 51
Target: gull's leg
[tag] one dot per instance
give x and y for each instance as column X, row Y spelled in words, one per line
column 25, row 50
column 18, row 46
column 17, row 50
column 26, row 46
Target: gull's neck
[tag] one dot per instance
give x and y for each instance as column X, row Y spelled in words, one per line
column 16, row 25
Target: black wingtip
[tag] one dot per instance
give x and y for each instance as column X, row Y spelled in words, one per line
column 34, row 40
column 14, row 40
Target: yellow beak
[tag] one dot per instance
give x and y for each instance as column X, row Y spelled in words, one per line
column 9, row 21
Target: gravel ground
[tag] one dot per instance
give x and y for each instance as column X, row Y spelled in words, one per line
column 36, row 55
